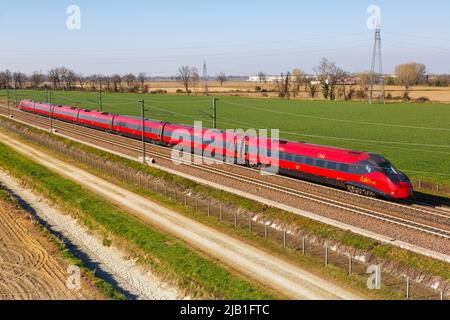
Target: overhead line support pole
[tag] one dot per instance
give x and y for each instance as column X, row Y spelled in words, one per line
column 142, row 103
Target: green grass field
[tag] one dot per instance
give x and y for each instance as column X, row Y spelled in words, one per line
column 415, row 137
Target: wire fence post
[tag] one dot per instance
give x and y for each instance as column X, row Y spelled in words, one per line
column 220, row 213
column 284, row 239
column 265, row 231
column 303, row 245
column 235, row 219
column 350, row 264
column 250, row 227
column 326, row 256
column 408, row 288
column 209, row 208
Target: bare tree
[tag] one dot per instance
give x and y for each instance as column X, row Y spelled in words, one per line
column 19, row 79
column 195, row 77
column 37, row 78
column 81, row 80
column 68, row 77
column 5, row 79
column 141, row 78
column 187, row 76
column 283, row 85
column 130, row 79
column 54, row 77
column 222, row 78
column 107, row 80
column 262, row 77
column 116, row 79
column 329, row 74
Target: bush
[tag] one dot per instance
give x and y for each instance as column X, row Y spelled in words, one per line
column 406, row 97
column 258, row 89
column 159, row 91
column 422, row 100
column 179, row 91
column 360, row 94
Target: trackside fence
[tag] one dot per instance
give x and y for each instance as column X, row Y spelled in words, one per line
column 299, row 244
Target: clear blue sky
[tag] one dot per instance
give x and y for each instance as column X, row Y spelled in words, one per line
column 237, row 37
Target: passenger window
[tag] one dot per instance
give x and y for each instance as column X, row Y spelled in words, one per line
column 332, row 165
column 320, row 163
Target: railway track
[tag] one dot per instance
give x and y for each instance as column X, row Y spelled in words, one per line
column 430, row 228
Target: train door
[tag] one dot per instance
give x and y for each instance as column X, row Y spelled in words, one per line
column 242, row 148
column 161, row 132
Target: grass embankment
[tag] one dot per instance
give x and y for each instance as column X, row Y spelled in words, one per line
column 166, row 255
column 415, row 137
column 381, row 252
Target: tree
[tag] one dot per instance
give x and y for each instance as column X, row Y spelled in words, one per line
column 222, row 78
column 54, row 77
column 188, row 76
column 68, row 78
column 298, row 78
column 81, row 80
column 409, row 74
column 37, row 78
column 312, row 88
column 262, row 77
column 283, row 84
column 116, row 79
column 130, row 79
column 19, row 79
column 329, row 74
column 141, row 78
column 5, row 79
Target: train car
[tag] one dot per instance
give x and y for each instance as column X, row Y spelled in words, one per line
column 169, row 137
column 96, row 119
column 359, row 172
column 35, row 107
column 132, row 127
column 66, row 113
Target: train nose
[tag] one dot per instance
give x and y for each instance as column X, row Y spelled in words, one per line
column 405, row 191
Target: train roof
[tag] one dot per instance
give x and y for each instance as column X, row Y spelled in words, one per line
column 134, row 119
column 324, row 152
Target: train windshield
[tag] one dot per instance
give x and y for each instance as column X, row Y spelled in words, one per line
column 381, row 164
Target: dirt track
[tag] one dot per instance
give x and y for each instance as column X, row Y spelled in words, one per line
column 27, row 270
column 261, row 266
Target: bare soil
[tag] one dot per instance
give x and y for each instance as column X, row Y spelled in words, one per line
column 31, row 267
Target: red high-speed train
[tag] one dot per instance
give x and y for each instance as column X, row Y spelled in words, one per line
column 359, row 172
